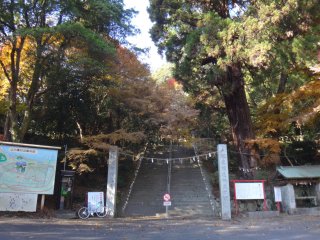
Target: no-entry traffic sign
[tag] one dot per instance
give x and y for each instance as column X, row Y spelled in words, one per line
column 166, row 197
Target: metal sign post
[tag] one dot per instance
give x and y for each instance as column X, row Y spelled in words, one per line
column 167, row 196
column 167, row 203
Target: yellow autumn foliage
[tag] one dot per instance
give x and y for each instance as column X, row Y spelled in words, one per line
column 270, row 149
column 301, row 105
column 26, row 63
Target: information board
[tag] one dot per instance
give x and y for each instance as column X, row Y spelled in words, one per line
column 249, row 190
column 277, row 194
column 26, row 169
column 95, row 201
column 18, row 202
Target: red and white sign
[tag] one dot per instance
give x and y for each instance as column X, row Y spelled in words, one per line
column 166, row 197
column 247, row 190
column 277, row 194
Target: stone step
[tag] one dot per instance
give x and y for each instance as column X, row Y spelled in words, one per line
column 142, row 186
column 189, row 188
column 191, row 200
column 148, row 204
column 146, row 198
column 193, row 206
column 188, row 193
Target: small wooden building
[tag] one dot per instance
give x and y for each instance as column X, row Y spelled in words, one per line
column 300, row 186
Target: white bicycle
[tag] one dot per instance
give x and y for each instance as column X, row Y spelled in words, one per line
column 98, row 209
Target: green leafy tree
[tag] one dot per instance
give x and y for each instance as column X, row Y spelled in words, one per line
column 125, row 107
column 164, row 73
column 183, row 30
column 53, row 28
column 218, row 46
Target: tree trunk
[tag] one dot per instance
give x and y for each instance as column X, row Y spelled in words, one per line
column 277, row 110
column 15, row 129
column 6, row 129
column 238, row 112
column 11, row 128
column 80, row 131
column 33, row 89
column 282, row 83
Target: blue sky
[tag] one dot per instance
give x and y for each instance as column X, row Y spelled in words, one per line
column 143, row 40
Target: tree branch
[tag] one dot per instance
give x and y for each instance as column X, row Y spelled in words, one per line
column 26, row 16
column 5, row 71
column 6, row 25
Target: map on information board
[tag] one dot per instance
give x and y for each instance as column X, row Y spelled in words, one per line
column 27, row 169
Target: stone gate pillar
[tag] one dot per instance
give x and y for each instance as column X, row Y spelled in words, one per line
column 288, row 198
column 111, row 194
column 224, row 182
column 317, row 188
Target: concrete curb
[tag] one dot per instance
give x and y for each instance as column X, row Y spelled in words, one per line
column 262, row 214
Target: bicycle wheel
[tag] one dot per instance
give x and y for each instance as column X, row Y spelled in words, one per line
column 83, row 213
column 103, row 213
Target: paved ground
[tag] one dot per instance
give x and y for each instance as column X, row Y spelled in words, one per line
column 283, row 227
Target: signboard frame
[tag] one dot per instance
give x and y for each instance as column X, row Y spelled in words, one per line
column 249, row 190
column 277, row 196
column 25, row 160
column 249, row 182
column 20, row 161
column 95, row 201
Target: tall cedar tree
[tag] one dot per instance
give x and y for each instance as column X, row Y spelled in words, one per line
column 177, row 30
column 214, row 43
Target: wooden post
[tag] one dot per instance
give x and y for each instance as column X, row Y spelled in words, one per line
column 43, row 197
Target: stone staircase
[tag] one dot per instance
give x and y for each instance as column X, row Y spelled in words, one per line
column 189, row 196
column 148, row 189
column 188, row 193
